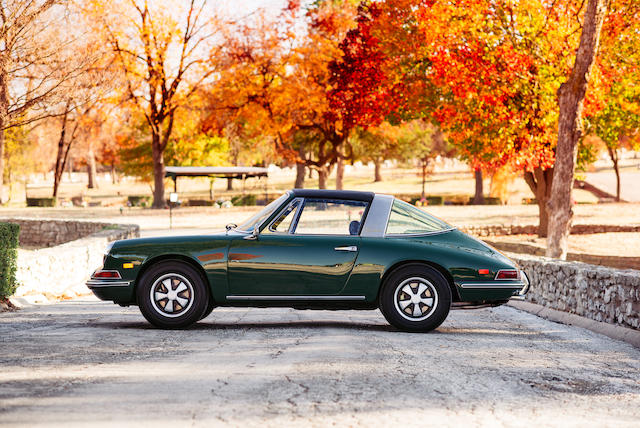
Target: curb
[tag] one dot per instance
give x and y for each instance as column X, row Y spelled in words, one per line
column 613, row 331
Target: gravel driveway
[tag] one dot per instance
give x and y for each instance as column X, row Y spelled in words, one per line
column 84, row 363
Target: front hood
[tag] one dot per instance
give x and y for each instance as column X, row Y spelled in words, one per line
column 169, row 240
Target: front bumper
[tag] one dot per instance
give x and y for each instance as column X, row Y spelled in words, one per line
column 119, row 291
column 99, row 283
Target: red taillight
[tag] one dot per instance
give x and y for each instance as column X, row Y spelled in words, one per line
column 483, row 271
column 107, row 274
column 508, row 274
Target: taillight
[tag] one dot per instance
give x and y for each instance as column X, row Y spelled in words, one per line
column 107, row 274
column 483, row 271
column 508, row 274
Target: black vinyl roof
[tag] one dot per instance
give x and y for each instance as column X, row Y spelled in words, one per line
column 353, row 195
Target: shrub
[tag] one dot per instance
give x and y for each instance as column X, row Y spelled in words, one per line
column 9, row 233
column 199, row 203
column 41, row 202
column 138, row 201
column 243, row 200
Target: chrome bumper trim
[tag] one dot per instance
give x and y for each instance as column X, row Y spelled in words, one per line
column 491, row 285
column 98, row 283
column 296, row 297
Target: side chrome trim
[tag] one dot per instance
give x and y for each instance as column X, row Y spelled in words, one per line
column 97, row 283
column 375, row 225
column 296, row 297
column 491, row 285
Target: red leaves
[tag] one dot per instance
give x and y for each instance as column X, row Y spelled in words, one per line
column 362, row 93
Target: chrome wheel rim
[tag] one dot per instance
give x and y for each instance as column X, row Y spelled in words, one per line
column 171, row 295
column 415, row 299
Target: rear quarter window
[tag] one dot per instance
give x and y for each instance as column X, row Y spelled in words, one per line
column 405, row 219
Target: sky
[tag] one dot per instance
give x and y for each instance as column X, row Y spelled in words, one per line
column 243, row 7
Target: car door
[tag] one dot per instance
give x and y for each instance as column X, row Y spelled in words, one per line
column 308, row 250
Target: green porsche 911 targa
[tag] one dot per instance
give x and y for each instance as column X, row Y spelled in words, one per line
column 313, row 249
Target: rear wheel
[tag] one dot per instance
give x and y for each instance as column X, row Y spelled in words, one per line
column 415, row 298
column 172, row 294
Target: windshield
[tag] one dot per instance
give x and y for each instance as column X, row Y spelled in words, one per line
column 263, row 214
column 407, row 219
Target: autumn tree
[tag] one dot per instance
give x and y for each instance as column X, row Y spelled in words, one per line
column 36, row 61
column 160, row 48
column 617, row 123
column 571, row 96
column 487, row 73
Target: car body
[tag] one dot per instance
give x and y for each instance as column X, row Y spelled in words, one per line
column 313, row 249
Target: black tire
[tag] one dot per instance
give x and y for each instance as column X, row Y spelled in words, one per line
column 181, row 306
column 398, row 303
column 208, row 309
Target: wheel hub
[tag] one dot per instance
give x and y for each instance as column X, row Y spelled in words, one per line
column 415, row 299
column 171, row 295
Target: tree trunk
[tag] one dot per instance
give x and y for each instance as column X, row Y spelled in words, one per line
column 423, row 163
column 114, row 178
column 158, row 173
column 570, row 100
column 539, row 181
column 377, row 174
column 91, row 170
column 1, row 161
column 322, row 177
column 4, row 116
column 340, row 172
column 299, row 184
column 300, row 167
column 60, row 162
column 613, row 154
column 478, row 197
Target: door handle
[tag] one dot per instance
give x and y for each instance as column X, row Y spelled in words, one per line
column 351, row 248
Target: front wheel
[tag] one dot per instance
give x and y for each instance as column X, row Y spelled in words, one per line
column 172, row 294
column 415, row 298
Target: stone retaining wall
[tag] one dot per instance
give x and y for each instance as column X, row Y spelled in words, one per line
column 50, row 232
column 61, row 271
column 595, row 292
column 530, row 229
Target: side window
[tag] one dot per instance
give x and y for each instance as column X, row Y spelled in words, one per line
column 407, row 219
column 285, row 219
column 330, row 217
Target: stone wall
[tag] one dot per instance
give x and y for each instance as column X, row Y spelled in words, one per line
column 595, row 292
column 61, row 271
column 49, row 232
column 530, row 229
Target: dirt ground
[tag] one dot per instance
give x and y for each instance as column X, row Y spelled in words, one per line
column 84, row 363
column 625, row 244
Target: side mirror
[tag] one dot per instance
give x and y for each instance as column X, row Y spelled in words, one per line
column 254, row 235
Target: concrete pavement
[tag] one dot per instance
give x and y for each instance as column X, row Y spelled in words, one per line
column 86, row 362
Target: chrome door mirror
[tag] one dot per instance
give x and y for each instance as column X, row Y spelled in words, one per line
column 254, row 235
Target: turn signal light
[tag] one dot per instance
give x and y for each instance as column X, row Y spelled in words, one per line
column 483, row 271
column 507, row 274
column 107, row 274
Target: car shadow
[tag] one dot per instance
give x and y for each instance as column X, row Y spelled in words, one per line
column 204, row 326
